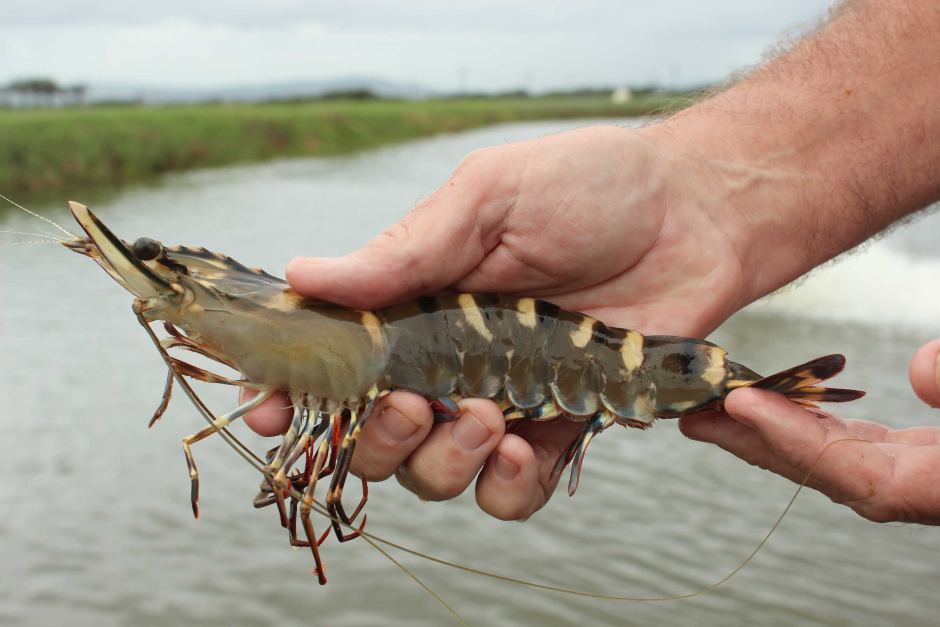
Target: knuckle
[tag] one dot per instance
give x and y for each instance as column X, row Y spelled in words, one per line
column 474, row 159
column 445, row 484
column 480, row 172
column 393, row 237
column 397, row 241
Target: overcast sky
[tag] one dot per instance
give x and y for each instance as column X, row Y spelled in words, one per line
column 440, row 44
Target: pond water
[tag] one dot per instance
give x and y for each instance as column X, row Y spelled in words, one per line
column 95, row 524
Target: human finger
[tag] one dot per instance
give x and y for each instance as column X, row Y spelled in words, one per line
column 508, row 487
column 913, row 436
column 394, row 430
column 844, row 467
column 924, row 372
column 517, row 480
column 736, row 438
column 453, row 454
column 271, row 417
column 719, row 428
column 868, row 430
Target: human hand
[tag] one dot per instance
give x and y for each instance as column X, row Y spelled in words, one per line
column 883, row 474
column 598, row 220
column 667, row 229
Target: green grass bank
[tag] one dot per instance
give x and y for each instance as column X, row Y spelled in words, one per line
column 44, row 150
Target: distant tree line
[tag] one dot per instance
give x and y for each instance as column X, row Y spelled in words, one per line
column 41, row 92
column 44, row 92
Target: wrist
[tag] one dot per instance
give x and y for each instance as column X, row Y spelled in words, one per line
column 774, row 203
column 823, row 147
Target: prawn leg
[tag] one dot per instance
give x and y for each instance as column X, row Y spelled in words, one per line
column 201, row 374
column 272, row 469
column 578, row 449
column 545, row 411
column 265, row 494
column 165, row 399
column 334, row 502
column 219, row 423
column 445, row 409
column 306, row 505
column 181, row 367
column 281, row 481
column 305, row 481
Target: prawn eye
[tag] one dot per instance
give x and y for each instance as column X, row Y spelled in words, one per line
column 147, row 249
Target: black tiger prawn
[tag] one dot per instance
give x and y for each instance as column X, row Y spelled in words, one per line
column 539, row 362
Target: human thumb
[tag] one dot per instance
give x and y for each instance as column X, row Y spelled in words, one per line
column 924, row 372
column 435, row 245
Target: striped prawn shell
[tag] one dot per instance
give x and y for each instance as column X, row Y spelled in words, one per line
column 526, row 353
column 529, row 352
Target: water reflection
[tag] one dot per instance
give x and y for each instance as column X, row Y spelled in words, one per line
column 96, row 527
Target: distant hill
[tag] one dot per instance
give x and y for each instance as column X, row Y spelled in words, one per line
column 287, row 90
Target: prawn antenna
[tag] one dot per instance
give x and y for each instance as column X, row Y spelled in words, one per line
column 43, row 218
column 51, row 237
column 35, row 241
column 616, row 597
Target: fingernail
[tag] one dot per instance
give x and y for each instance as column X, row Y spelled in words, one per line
column 505, row 468
column 394, row 425
column 469, row 433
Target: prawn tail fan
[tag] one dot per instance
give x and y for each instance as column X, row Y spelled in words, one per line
column 799, row 383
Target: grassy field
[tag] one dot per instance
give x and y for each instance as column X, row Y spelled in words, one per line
column 54, row 149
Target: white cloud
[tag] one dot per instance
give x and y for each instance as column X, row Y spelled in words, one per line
column 538, row 44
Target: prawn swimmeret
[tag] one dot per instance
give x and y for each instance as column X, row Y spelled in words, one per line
column 537, row 361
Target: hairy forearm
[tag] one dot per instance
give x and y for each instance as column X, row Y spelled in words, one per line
column 823, row 146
